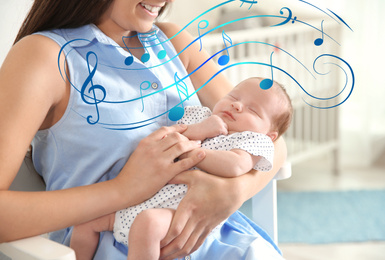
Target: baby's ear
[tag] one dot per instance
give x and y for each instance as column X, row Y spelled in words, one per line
column 273, row 135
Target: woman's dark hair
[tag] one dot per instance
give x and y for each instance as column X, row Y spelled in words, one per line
column 53, row 14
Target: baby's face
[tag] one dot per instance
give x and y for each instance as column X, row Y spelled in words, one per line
column 248, row 108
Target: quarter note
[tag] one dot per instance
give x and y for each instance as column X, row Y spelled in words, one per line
column 320, row 41
column 268, row 83
column 177, row 112
column 225, row 58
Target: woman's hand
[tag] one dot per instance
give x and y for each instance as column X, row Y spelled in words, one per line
column 153, row 161
column 205, row 206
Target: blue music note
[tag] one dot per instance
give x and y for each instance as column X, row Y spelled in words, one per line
column 141, row 88
column 130, row 59
column 225, row 58
column 151, row 38
column 95, row 101
column 268, row 83
column 177, row 112
column 251, row 2
column 320, row 41
column 146, row 56
column 199, row 32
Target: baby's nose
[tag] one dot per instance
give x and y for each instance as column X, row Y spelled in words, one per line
column 237, row 106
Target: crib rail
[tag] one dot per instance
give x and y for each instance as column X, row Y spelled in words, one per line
column 313, row 131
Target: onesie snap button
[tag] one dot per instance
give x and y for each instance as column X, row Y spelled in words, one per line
column 154, row 85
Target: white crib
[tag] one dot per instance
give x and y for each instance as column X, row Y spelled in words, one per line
column 313, row 131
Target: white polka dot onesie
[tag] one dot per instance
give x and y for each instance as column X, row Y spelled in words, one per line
column 170, row 195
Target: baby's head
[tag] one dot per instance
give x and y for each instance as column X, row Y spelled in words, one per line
column 249, row 108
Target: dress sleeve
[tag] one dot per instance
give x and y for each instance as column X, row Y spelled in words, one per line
column 194, row 114
column 256, row 144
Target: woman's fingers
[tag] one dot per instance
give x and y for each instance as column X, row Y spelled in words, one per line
column 166, row 130
column 170, row 141
column 179, row 232
column 204, row 207
column 188, row 162
column 191, row 238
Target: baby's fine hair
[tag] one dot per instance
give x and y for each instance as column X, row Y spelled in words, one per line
column 283, row 120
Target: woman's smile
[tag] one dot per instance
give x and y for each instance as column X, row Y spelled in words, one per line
column 154, row 10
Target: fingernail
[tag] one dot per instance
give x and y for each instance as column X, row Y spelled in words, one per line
column 198, row 142
column 183, row 126
column 201, row 155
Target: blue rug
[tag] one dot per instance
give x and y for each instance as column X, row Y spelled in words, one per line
column 331, row 217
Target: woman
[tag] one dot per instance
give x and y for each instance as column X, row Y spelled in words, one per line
column 88, row 151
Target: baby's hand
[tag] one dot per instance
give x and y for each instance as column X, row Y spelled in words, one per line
column 214, row 126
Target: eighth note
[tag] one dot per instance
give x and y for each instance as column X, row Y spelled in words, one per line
column 177, row 112
column 268, row 83
column 225, row 58
column 320, row 41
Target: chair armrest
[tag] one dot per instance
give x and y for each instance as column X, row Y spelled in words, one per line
column 36, row 248
column 284, row 172
column 264, row 203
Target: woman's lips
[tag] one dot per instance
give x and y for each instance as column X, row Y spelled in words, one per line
column 151, row 8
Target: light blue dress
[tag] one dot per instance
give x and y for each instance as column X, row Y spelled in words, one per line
column 115, row 101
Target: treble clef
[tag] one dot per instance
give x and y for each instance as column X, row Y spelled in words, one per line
column 92, row 89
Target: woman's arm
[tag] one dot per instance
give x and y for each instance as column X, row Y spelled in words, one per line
column 32, row 97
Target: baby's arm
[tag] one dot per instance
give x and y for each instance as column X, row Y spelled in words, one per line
column 208, row 128
column 231, row 163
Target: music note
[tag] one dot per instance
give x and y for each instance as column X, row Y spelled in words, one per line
column 95, row 100
column 150, row 38
column 199, row 28
column 251, row 2
column 146, row 56
column 141, row 88
column 268, row 83
column 130, row 59
column 177, row 112
column 320, row 41
column 225, row 58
